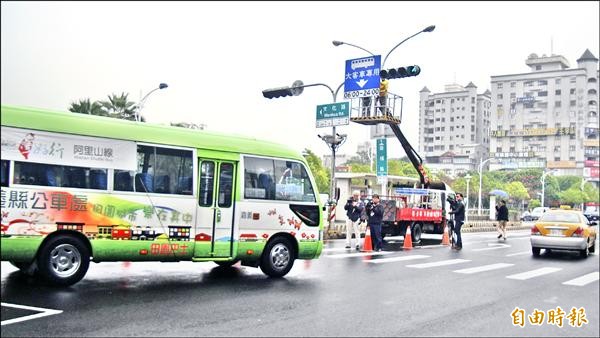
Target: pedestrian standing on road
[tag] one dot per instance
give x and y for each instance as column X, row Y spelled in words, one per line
column 458, row 210
column 354, row 207
column 502, row 218
column 375, row 214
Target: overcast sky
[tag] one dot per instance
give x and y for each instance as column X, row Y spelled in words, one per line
column 217, row 57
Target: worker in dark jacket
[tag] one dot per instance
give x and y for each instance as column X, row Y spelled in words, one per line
column 375, row 213
column 502, row 218
column 458, row 210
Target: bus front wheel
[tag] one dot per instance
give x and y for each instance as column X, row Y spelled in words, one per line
column 63, row 260
column 278, row 258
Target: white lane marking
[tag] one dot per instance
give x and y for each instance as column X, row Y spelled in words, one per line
column 398, row 259
column 508, row 239
column 528, row 252
column 43, row 313
column 493, row 246
column 484, row 268
column 360, row 254
column 583, row 280
column 440, row 263
column 533, row 273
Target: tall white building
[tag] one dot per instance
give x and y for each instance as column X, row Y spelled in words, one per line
column 548, row 117
column 454, row 128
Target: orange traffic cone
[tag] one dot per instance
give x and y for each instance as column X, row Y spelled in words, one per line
column 407, row 239
column 445, row 239
column 367, row 245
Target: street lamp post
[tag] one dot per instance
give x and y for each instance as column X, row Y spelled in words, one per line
column 468, row 179
column 481, row 162
column 544, row 174
column 140, row 105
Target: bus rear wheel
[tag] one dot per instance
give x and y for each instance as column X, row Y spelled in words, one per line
column 278, row 258
column 63, row 260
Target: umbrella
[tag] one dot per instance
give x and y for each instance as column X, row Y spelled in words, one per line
column 500, row 193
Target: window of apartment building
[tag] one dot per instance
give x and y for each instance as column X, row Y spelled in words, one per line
column 462, row 136
column 572, row 114
column 557, row 81
column 443, row 128
column 472, row 128
column 538, row 67
column 500, row 96
column 528, row 83
column 573, row 103
column 452, row 119
column 472, row 118
column 451, row 137
column 513, row 84
column 557, row 104
column 437, row 101
column 512, row 127
column 542, row 104
column 473, row 99
column 437, row 129
column 543, row 93
column 571, row 137
column 451, row 129
column 443, row 119
column 499, row 127
column 571, row 158
column 572, row 91
column 592, row 91
column 437, row 138
column 572, row 125
column 452, row 110
column 556, row 158
column 498, row 149
column 571, row 148
column 437, row 119
column 512, row 149
column 463, row 108
column 542, row 148
column 592, row 80
column 573, row 79
column 452, row 101
column 557, row 92
column 499, row 85
column 557, row 125
column 472, row 109
column 451, row 147
column 542, row 82
column 556, row 148
column 513, row 95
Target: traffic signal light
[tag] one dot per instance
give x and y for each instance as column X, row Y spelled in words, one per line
column 398, row 73
column 277, row 92
column 295, row 90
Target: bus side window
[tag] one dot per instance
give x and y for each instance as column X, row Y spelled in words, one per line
column 4, row 174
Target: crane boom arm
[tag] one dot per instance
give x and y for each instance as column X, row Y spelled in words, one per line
column 412, row 155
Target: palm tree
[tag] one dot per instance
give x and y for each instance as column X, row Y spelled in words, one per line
column 84, row 106
column 120, row 107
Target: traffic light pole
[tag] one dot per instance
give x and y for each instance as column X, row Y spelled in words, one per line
column 334, row 141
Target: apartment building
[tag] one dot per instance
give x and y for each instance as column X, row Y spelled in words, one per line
column 454, row 128
column 548, row 117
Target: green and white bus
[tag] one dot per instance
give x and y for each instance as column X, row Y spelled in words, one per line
column 79, row 188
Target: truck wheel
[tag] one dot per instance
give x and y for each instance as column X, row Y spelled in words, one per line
column 278, row 258
column 535, row 251
column 416, row 233
column 63, row 260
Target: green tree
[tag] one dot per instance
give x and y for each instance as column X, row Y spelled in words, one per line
column 518, row 193
column 573, row 196
column 85, row 106
column 320, row 173
column 120, row 107
column 592, row 193
column 534, row 203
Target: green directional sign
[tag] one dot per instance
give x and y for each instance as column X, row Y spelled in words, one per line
column 382, row 169
column 333, row 114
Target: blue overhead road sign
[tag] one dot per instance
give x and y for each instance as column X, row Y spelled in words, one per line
column 362, row 77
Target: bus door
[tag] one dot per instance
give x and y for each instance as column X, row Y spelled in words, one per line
column 216, row 208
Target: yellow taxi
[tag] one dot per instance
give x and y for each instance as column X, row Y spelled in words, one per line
column 564, row 230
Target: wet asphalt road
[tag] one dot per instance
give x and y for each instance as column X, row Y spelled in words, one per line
column 466, row 293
